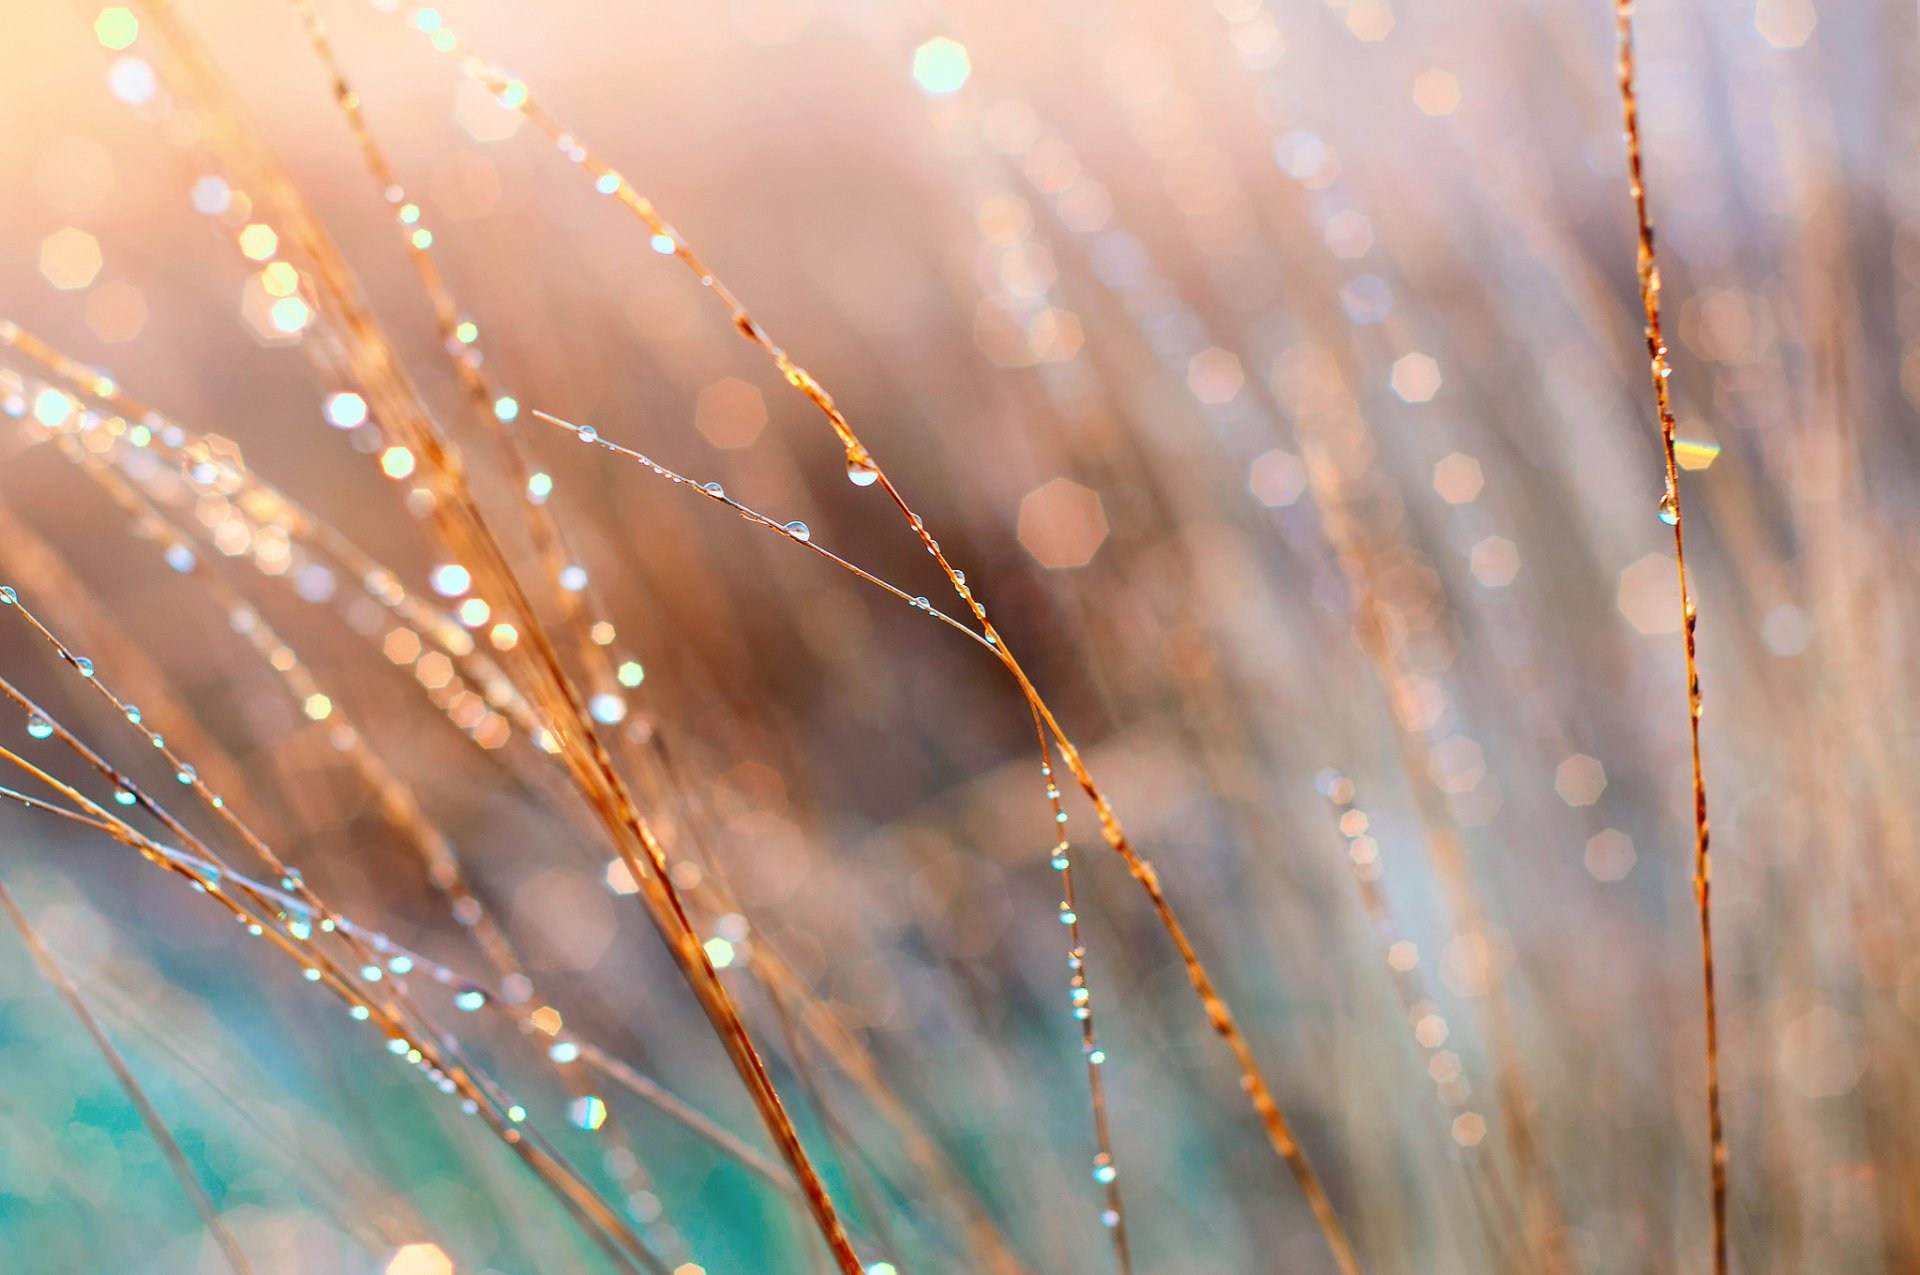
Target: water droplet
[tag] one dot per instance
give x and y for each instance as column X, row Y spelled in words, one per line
column 860, row 471
column 799, row 531
column 470, row 1000
column 185, row 775
column 1104, row 1173
column 84, row 664
column 1670, row 509
column 1067, row 916
column 133, row 714
column 124, row 796
column 587, row 434
column 39, row 727
column 714, row 489
column 1110, row 1219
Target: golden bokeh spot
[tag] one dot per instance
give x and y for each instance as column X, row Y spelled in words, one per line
column 280, row 279
column 420, row 1259
column 1495, row 561
column 730, row 413
column 1276, row 478
column 70, row 258
column 1416, row 377
column 1214, row 375
column 1580, row 780
column 1457, row 478
column 1062, row 524
column 1436, row 92
column 258, row 241
column 1609, row 855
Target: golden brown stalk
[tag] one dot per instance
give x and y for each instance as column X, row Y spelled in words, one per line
column 1649, row 273
column 469, row 372
column 867, row 472
column 50, row 968
column 1279, row 1132
column 390, row 1009
column 364, row 357
column 848, row 1053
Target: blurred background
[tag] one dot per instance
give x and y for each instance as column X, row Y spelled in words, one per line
column 1274, row 372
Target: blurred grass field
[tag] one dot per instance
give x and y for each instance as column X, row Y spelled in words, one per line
column 1274, row 374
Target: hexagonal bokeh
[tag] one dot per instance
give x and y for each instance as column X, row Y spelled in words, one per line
column 1214, row 375
column 730, row 413
column 1416, row 378
column 1609, row 855
column 70, row 258
column 1277, row 478
column 1495, row 561
column 1062, row 524
column 1580, row 780
column 1650, row 595
column 419, row 1259
column 1457, row 478
column 272, row 320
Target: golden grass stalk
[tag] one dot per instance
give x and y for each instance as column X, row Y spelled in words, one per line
column 385, row 1003
column 1670, row 512
column 367, row 359
column 184, row 450
column 866, row 471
